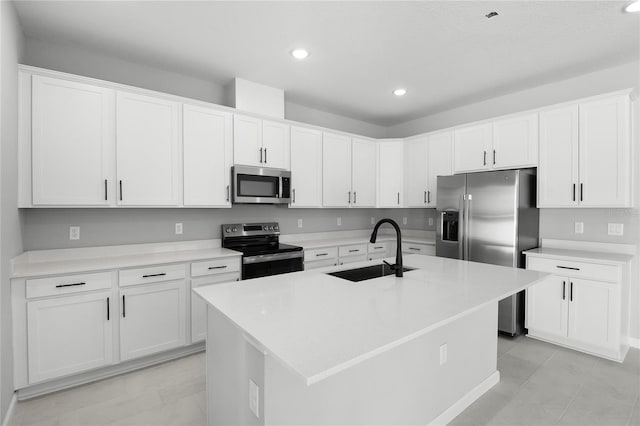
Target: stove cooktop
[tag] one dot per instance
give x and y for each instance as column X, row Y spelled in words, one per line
column 266, row 249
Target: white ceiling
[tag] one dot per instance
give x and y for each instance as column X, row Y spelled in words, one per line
column 446, row 53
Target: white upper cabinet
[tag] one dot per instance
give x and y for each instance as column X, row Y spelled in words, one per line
column 390, row 174
column 585, row 154
column 363, row 173
column 72, row 143
column 306, row 167
column 515, row 142
column 336, row 170
column 208, row 156
column 416, row 172
column 439, row 159
column 260, row 143
column 558, row 168
column 148, row 149
column 605, row 154
column 502, row 144
column 471, row 148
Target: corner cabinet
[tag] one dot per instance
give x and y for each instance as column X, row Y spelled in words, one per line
column 306, row 167
column 585, row 154
column 583, row 305
column 390, row 173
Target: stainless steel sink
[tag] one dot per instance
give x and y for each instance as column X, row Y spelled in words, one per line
column 366, row 273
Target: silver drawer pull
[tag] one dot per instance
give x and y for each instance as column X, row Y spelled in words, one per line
column 354, row 250
column 217, row 267
column 321, row 254
column 414, row 248
column 154, row 275
column 378, row 247
column 70, row 285
column 567, row 267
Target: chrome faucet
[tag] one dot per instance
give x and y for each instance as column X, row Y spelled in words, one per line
column 398, row 266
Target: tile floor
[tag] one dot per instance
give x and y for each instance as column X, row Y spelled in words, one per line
column 541, row 384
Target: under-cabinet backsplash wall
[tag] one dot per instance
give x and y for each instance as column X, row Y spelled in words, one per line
column 49, row 228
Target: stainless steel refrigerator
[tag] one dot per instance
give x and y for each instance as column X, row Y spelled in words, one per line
column 490, row 217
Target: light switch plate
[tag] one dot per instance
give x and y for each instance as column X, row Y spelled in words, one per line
column 254, row 398
column 339, row 221
column 443, row 354
column 579, row 227
column 74, row 232
column 430, row 221
column 373, row 220
column 616, row 229
column 299, row 223
column 178, row 228
column 404, row 220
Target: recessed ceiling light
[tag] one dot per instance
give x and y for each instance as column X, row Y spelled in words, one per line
column 400, row 92
column 633, row 7
column 299, row 53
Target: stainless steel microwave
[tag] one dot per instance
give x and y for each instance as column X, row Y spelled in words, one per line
column 260, row 185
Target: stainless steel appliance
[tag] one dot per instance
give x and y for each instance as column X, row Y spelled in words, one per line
column 262, row 252
column 260, row 185
column 490, row 217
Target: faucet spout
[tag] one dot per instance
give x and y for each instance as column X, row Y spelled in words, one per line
column 398, row 266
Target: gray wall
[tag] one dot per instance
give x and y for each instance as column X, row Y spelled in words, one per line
column 89, row 63
column 49, row 228
column 10, row 218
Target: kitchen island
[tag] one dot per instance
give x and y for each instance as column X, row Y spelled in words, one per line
column 310, row 348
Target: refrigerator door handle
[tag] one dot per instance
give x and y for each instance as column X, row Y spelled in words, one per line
column 467, row 207
column 461, row 234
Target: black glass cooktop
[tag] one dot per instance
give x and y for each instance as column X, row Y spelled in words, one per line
column 256, row 250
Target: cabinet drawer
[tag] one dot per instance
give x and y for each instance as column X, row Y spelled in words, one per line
column 418, row 248
column 593, row 271
column 151, row 274
column 67, row 284
column 378, row 248
column 215, row 266
column 319, row 254
column 353, row 250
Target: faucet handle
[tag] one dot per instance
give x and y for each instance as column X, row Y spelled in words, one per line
column 393, row 267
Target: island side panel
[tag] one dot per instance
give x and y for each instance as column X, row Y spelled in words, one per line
column 231, row 363
column 405, row 385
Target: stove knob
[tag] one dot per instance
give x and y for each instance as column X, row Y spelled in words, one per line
column 228, row 230
column 265, row 228
column 270, row 228
column 275, row 227
column 235, row 229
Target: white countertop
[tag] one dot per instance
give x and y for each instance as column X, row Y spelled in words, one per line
column 318, row 325
column 580, row 255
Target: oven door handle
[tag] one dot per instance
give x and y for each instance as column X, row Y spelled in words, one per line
column 272, row 257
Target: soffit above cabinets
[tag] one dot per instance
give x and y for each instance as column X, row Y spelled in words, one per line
column 446, row 53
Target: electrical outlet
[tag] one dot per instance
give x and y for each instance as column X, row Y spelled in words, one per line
column 443, row 354
column 339, row 221
column 579, row 227
column 404, row 220
column 74, row 232
column 178, row 228
column 373, row 220
column 254, row 398
column 299, row 223
column 616, row 229
column 430, row 221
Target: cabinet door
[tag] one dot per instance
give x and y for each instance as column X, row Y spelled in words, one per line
column 471, row 148
column 363, row 173
column 70, row 334
column 593, row 313
column 207, row 147
column 72, row 143
column 439, row 156
column 306, row 167
column 515, row 142
column 275, row 144
column 547, row 305
column 416, row 172
column 148, row 151
column 199, row 306
column 336, row 170
column 247, row 140
column 558, row 163
column 605, row 154
column 390, row 174
column 152, row 319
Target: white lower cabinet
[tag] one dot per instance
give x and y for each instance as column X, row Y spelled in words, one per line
column 571, row 310
column 69, row 334
column 152, row 319
column 199, row 307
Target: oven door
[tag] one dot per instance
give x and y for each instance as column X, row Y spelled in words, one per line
column 271, row 264
column 257, row 185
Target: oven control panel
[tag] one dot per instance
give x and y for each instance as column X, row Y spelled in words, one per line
column 249, row 229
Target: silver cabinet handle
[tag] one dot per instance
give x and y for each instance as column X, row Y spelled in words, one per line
column 228, row 193
column 162, row 274
column 571, row 291
column 567, row 267
column 108, row 310
column 217, row 267
column 70, row 285
column 354, row 251
column 564, row 290
column 321, row 254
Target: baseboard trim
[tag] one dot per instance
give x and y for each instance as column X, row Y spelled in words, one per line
column 106, row 372
column 12, row 408
column 633, row 342
column 468, row 399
